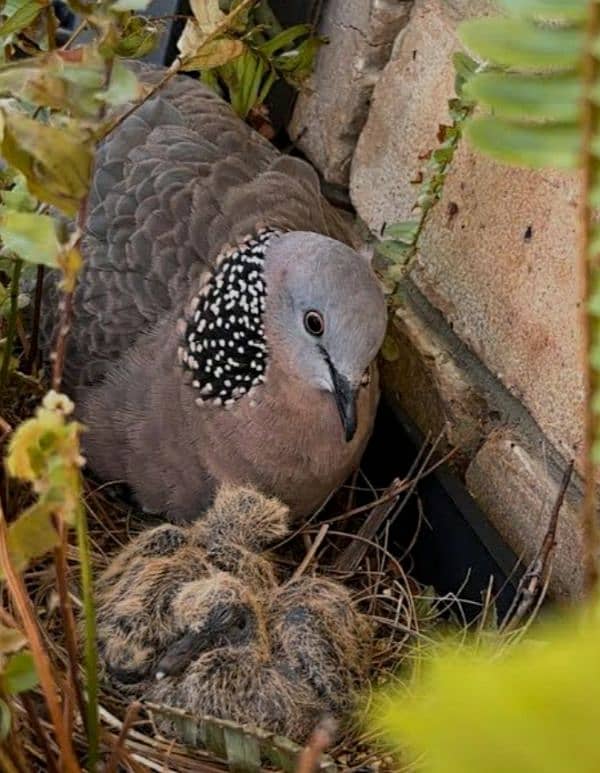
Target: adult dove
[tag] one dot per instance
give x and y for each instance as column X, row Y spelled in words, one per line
column 224, row 327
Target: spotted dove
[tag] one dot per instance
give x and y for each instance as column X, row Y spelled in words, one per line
column 225, row 329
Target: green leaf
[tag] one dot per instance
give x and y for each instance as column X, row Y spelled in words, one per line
column 464, row 66
column 553, row 97
column 18, row 197
column 19, row 674
column 395, row 251
column 285, row 39
column 521, row 44
column 23, row 301
column 139, row 37
column 535, row 146
column 405, row 231
column 31, row 236
column 553, row 10
column 21, row 18
column 56, row 161
column 124, row 86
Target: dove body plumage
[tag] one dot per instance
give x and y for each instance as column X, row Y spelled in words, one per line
column 196, row 220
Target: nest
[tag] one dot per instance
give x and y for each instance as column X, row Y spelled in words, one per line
column 348, row 541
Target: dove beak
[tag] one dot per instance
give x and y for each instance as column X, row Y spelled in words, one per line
column 345, row 399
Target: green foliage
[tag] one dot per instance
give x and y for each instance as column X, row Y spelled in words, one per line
column 244, row 60
column 399, row 244
column 532, row 707
column 535, row 90
column 44, row 451
column 17, row 673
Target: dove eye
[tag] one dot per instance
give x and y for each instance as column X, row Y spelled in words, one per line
column 366, row 378
column 314, row 323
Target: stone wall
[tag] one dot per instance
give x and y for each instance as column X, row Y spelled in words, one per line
column 487, row 337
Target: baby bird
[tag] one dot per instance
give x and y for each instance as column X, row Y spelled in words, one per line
column 195, row 618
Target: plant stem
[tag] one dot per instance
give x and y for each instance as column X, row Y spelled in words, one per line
column 12, row 323
column 590, row 277
column 90, row 648
column 32, row 351
column 66, row 611
column 40, row 656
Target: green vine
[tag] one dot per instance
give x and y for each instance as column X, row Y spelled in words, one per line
column 399, row 244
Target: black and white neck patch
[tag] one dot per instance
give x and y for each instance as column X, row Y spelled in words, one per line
column 224, row 346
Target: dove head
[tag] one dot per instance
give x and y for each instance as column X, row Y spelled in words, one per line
column 307, row 302
column 325, row 316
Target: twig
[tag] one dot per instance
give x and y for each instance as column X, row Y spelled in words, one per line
column 311, row 552
column 538, row 572
column 5, row 429
column 76, row 33
column 589, row 270
column 354, row 553
column 65, row 308
column 39, row 732
column 321, row 739
column 130, row 717
column 66, row 610
column 350, row 559
column 32, row 349
column 42, row 661
column 12, row 323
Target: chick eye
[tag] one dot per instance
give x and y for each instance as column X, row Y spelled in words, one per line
column 241, row 622
column 366, row 378
column 314, row 323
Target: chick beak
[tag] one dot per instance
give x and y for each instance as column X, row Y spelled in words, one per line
column 180, row 654
column 345, row 399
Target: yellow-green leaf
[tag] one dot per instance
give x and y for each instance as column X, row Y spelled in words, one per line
column 555, row 146
column 5, row 720
column 11, row 640
column 213, row 54
column 528, row 97
column 550, row 10
column 124, row 86
column 32, row 535
column 522, row 44
column 55, row 161
column 130, row 5
column 22, row 17
column 138, row 38
column 19, row 674
column 533, row 707
column 29, row 235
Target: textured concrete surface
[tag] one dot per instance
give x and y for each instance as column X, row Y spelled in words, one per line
column 507, row 462
column 432, row 388
column 497, row 256
column 328, row 119
column 503, row 273
column 487, row 346
column 517, row 490
column 409, row 103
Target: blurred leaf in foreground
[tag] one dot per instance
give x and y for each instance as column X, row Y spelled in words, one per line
column 532, row 707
